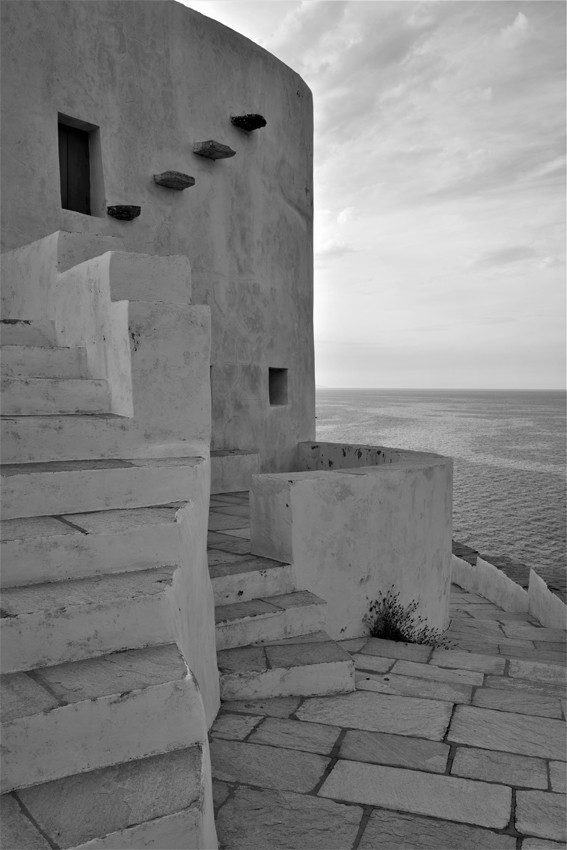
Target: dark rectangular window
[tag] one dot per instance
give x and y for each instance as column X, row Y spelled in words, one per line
column 277, row 386
column 74, row 169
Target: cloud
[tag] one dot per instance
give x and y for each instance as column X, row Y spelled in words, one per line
column 504, row 256
column 551, row 263
column 515, row 34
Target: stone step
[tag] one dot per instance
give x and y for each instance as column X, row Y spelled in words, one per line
column 47, row 396
column 309, row 665
column 232, row 470
column 36, row 332
column 57, row 622
column 272, row 618
column 77, row 717
column 41, row 439
column 160, row 801
column 74, row 546
column 252, row 578
column 65, row 487
column 34, row 361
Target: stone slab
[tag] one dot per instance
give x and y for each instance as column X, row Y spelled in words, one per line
column 312, row 637
column 465, row 800
column 218, row 522
column 542, row 844
column 240, row 565
column 467, row 661
column 85, row 806
column 422, row 718
column 522, row 686
column 506, row 768
column 294, row 735
column 529, row 632
column 255, row 819
column 513, row 733
column 558, row 776
column 43, row 526
column 16, row 829
column 411, row 686
column 277, row 707
column 438, row 674
column 541, row 813
column 241, row 610
column 534, row 672
column 538, row 655
column 242, row 533
column 112, row 522
column 353, row 644
column 396, row 750
column 372, row 662
column 217, row 556
column 221, row 793
column 394, row 831
column 236, row 545
column 507, row 700
column 21, row 696
column 234, row 726
column 296, row 655
column 115, row 673
column 397, row 649
column 242, row 659
column 231, row 510
column 266, row 767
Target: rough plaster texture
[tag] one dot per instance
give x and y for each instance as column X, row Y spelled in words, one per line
column 354, row 533
column 155, row 78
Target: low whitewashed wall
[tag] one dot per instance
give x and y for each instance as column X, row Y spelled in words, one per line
column 353, row 533
column 312, row 455
column 490, row 582
column 544, row 605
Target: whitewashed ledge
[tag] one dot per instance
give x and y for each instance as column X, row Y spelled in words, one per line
column 490, row 582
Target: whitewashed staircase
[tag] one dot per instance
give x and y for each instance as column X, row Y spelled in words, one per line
column 270, row 636
column 103, row 727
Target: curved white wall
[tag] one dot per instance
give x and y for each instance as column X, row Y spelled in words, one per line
column 156, row 77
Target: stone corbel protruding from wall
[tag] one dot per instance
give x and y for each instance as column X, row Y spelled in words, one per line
column 249, row 122
column 174, row 180
column 124, row 212
column 213, row 150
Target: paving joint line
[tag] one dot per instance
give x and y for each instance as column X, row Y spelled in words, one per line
column 366, row 814
column 25, row 811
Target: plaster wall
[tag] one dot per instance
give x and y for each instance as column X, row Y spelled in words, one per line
column 353, row 533
column 155, row 78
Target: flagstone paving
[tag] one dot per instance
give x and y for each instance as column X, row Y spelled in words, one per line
column 460, row 748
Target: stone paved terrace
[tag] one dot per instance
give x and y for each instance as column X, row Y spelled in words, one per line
column 459, row 749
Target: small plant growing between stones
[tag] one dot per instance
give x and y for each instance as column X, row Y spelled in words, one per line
column 390, row 620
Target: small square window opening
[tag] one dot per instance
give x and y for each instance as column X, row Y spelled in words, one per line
column 277, row 382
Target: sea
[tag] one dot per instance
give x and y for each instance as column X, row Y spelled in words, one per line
column 509, row 453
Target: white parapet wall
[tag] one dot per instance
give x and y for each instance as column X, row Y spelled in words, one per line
column 354, row 533
column 488, row 581
column 544, row 605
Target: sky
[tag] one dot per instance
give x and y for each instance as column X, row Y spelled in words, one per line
column 439, row 185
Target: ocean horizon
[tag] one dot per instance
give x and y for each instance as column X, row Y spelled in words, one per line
column 508, row 448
